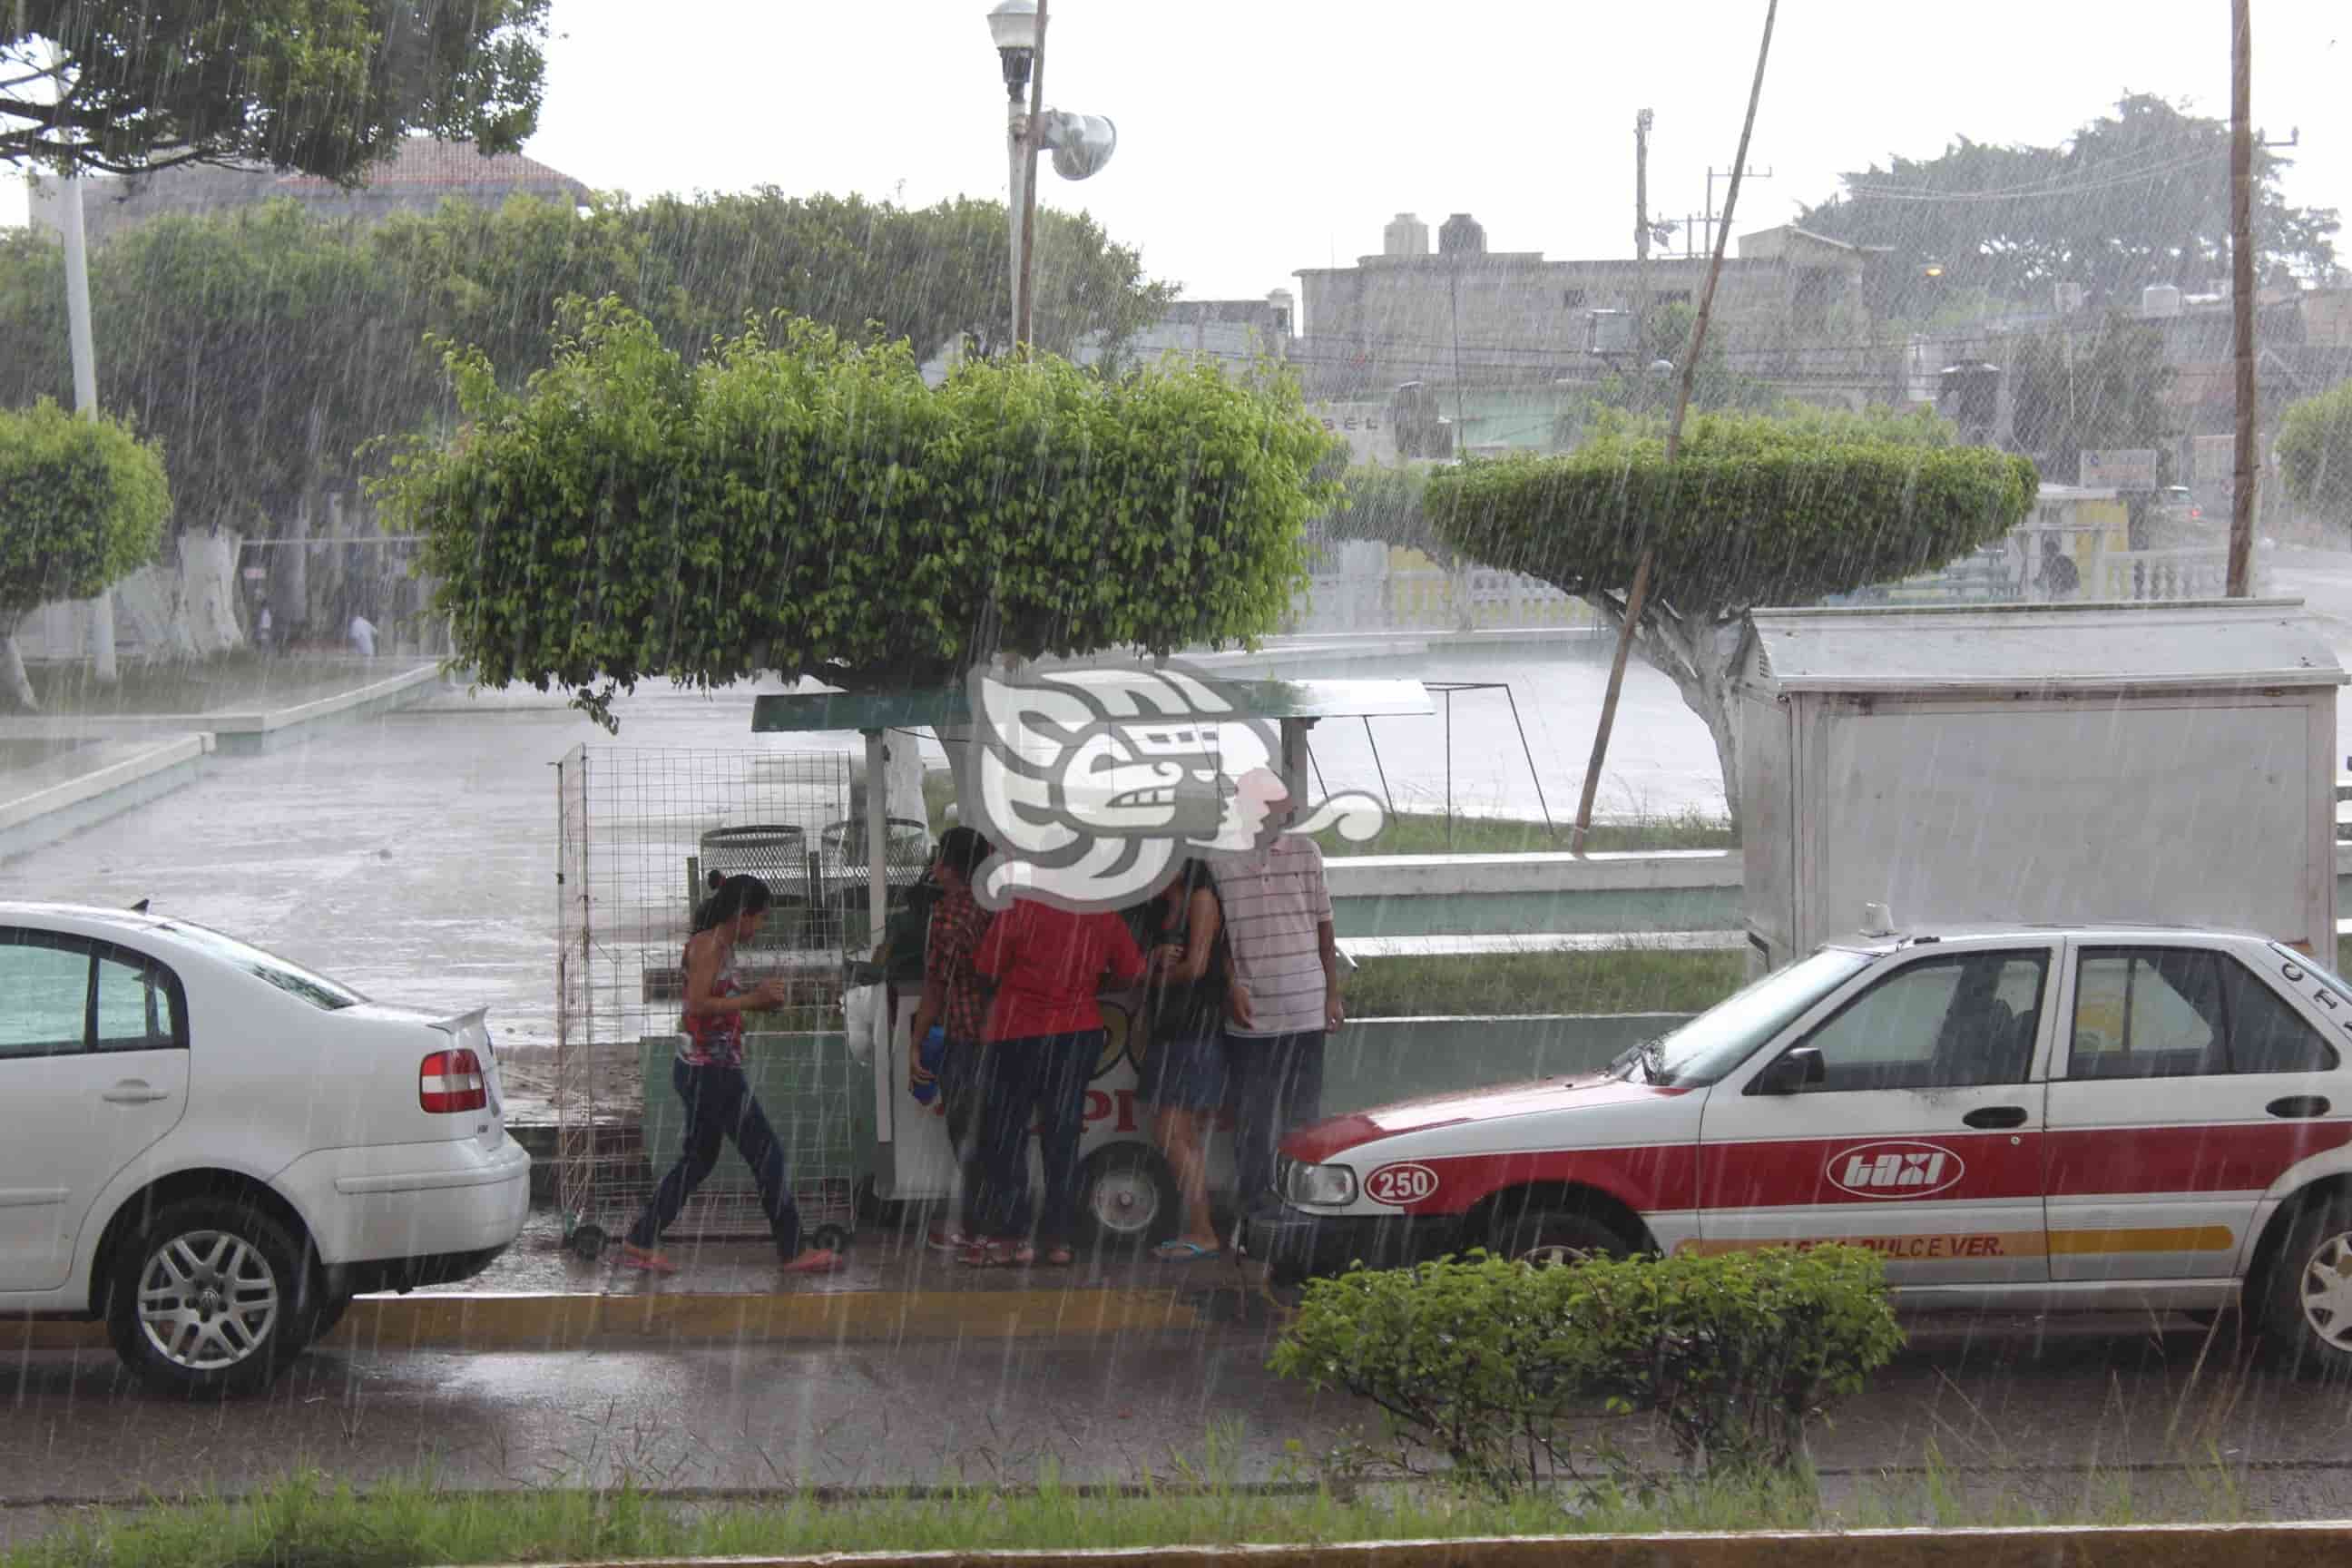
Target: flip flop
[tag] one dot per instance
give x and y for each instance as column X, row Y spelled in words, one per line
column 1059, row 1257
column 1185, row 1252
column 817, row 1261
column 998, row 1255
column 650, row 1261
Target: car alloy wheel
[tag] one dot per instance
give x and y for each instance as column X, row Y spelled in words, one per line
column 2325, row 1291
column 208, row 1300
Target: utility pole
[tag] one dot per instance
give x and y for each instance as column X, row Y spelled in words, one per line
column 2241, row 290
column 1641, row 123
column 1641, row 587
column 1732, row 173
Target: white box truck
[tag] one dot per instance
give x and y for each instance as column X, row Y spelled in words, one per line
column 2162, row 764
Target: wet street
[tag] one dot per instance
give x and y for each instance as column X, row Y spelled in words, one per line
column 2052, row 1415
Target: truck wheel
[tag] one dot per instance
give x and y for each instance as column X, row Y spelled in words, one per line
column 1546, row 1233
column 207, row 1299
column 1127, row 1198
column 2307, row 1299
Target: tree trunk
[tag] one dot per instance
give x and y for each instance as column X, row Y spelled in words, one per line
column 16, row 687
column 1700, row 654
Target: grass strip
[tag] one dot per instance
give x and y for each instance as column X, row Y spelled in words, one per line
column 308, row 1520
column 1515, row 984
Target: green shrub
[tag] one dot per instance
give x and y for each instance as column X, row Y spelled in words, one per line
column 1491, row 1364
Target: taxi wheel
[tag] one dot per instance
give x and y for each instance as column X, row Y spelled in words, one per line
column 2308, row 1296
column 1555, row 1234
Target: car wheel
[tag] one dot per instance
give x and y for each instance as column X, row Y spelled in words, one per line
column 1127, row 1198
column 1551, row 1235
column 2307, row 1312
column 207, row 1298
column 331, row 1314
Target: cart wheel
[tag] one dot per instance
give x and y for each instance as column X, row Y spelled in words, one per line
column 588, row 1241
column 829, row 1238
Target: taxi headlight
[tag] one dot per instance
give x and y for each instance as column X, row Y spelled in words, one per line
column 1320, row 1185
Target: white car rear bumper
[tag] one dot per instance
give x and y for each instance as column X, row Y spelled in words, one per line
column 398, row 1201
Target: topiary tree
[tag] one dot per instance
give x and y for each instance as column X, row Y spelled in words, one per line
column 83, row 503
column 799, row 503
column 2314, row 450
column 1757, row 511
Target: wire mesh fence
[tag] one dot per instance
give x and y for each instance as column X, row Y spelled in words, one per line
column 642, row 837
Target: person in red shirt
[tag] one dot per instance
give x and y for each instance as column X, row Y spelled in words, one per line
column 1044, row 1037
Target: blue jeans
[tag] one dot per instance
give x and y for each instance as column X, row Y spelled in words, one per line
column 720, row 1107
column 1041, row 1080
column 1276, row 1086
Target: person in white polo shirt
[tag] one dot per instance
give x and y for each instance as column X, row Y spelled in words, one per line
column 1286, row 995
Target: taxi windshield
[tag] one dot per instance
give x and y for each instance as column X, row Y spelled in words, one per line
column 1723, row 1037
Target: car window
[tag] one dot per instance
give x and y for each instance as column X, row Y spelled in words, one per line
column 137, row 1004
column 2143, row 1013
column 44, row 997
column 1941, row 1023
column 1727, row 1034
column 291, row 978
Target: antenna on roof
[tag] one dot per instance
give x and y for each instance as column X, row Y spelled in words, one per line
column 141, row 907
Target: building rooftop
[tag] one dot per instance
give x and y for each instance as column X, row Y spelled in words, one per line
column 425, row 163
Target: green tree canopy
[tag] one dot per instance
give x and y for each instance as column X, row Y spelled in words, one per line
column 83, row 503
column 324, row 86
column 801, row 503
column 2314, row 448
column 1756, row 511
column 266, row 346
column 2136, row 198
column 2098, row 389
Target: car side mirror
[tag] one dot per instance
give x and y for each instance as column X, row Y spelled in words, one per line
column 1793, row 1071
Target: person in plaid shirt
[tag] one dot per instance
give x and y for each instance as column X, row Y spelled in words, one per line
column 955, row 999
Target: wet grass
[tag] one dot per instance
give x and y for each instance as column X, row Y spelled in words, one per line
column 1514, row 984
column 308, row 1520
column 1430, row 833
column 223, row 683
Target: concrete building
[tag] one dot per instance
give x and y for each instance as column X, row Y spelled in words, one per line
column 1501, row 337
column 418, row 178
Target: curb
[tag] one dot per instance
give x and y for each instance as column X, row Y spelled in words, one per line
column 573, row 1322
column 2137, row 1546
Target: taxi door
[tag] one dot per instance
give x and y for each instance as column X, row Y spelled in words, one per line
column 1910, row 1120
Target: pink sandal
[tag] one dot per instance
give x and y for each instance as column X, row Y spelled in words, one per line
column 815, row 1262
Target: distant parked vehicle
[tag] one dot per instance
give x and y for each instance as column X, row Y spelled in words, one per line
column 213, row 1150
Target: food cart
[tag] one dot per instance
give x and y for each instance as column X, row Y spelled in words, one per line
column 1127, row 1193
column 640, row 833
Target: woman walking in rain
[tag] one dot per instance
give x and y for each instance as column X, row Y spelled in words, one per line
column 708, row 1077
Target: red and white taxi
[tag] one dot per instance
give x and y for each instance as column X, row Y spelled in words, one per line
column 2046, row 1117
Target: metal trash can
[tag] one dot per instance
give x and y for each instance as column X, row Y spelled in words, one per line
column 777, row 854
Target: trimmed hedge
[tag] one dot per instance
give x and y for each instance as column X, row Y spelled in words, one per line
column 82, row 504
column 1490, row 1364
column 799, row 503
column 1756, row 511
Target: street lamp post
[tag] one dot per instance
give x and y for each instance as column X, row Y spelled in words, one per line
column 1013, row 27
column 1081, row 144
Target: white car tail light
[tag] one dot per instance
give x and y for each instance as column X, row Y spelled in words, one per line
column 450, row 1082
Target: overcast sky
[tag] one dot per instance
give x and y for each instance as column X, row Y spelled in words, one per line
column 1257, row 137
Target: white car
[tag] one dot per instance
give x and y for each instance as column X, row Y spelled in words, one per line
column 214, row 1150
column 2028, row 1116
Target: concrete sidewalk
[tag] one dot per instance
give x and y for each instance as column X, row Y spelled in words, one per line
column 539, row 1296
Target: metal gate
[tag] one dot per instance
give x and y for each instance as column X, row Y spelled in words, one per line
column 638, row 834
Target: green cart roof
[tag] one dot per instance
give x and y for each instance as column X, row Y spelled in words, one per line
column 938, row 707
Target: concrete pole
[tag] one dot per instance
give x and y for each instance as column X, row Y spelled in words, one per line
column 84, row 378
column 1016, row 123
column 2241, row 291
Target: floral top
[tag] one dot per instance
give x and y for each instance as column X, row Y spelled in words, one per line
column 713, row 1040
